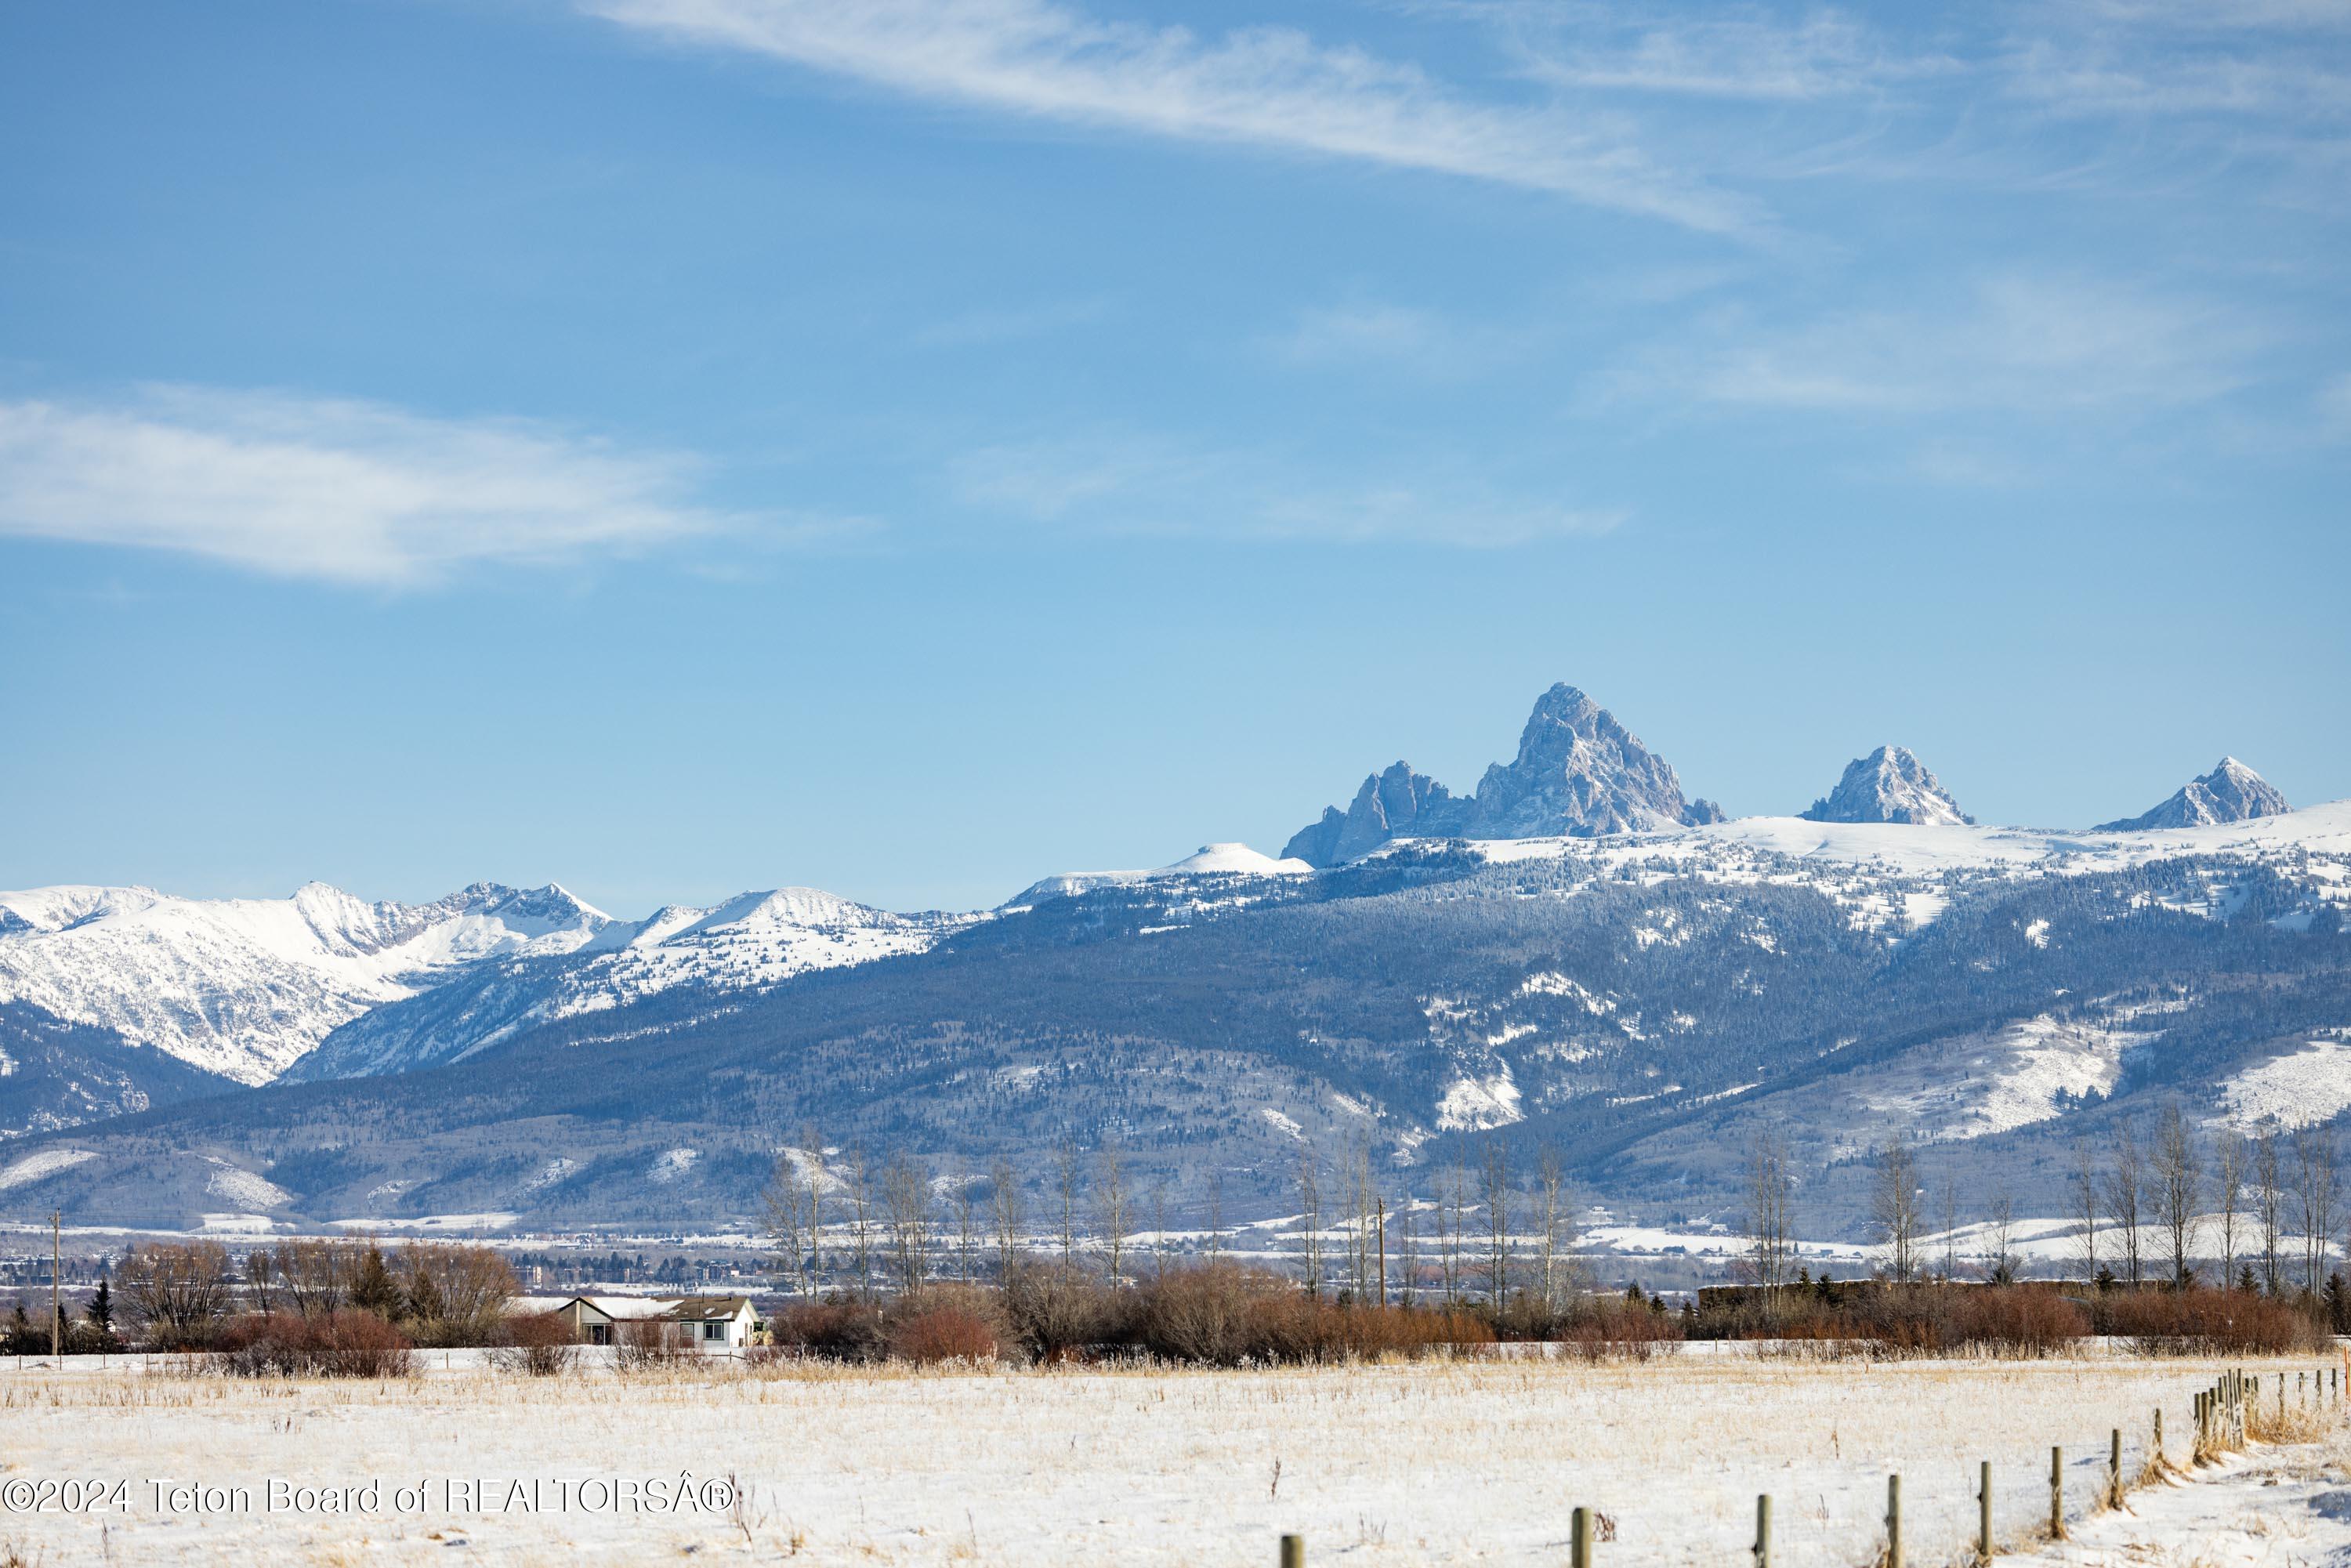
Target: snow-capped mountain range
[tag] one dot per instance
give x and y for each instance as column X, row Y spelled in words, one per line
column 1579, row 773
column 247, row 988
column 97, row 985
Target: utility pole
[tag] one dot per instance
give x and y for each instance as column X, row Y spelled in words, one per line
column 1384, row 1251
column 56, row 1312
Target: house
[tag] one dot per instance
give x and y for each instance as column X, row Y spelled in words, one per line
column 713, row 1323
column 717, row 1323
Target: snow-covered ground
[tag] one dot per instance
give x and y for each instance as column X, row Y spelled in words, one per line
column 1427, row 1463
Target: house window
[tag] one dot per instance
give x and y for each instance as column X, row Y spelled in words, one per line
column 714, row 1331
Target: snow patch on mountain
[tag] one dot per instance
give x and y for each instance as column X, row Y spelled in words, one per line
column 1228, row 859
column 1895, row 878
column 1474, row 1104
column 245, row 1188
column 42, row 1164
column 2309, row 1084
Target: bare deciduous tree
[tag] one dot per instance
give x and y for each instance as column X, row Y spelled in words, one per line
column 906, row 1205
column 1066, row 1167
column 2126, row 1185
column 858, row 1186
column 469, row 1286
column 2317, row 1189
column 179, row 1290
column 1949, row 1229
column 1004, row 1209
column 1310, row 1218
column 2229, row 1193
column 2269, row 1204
column 1494, row 1184
column 1895, row 1208
column 2178, row 1186
column 1551, row 1214
column 2000, row 1239
column 1452, row 1218
column 1114, row 1201
column 1216, row 1218
column 964, row 1194
column 792, row 1225
column 1407, row 1247
column 1770, row 1191
column 2087, row 1207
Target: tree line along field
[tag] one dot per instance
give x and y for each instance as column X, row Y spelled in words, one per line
column 1447, row 1460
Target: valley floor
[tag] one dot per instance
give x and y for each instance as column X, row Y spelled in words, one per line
column 1434, row 1462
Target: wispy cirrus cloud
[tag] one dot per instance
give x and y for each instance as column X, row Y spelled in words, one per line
column 1394, row 338
column 2016, row 342
column 336, row 489
column 1266, row 87
column 1121, row 483
column 1738, row 53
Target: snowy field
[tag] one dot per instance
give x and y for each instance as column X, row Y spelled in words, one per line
column 1415, row 1463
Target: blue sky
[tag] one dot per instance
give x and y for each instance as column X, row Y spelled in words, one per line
column 910, row 446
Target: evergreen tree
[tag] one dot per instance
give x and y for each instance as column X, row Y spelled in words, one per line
column 374, row 1289
column 101, row 1309
column 425, row 1303
column 2245, row 1281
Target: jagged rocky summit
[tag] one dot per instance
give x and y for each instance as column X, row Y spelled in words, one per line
column 2231, row 792
column 1889, row 785
column 1579, row 773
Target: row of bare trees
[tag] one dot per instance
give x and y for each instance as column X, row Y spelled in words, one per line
column 837, row 1220
column 180, row 1293
column 2144, row 1207
column 2262, row 1199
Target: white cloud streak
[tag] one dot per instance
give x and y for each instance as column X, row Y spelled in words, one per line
column 1266, row 87
column 1735, row 54
column 1138, row 485
column 2007, row 344
column 324, row 488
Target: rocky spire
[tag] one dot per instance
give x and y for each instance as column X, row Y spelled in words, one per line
column 2231, row 792
column 1889, row 785
column 1579, row 773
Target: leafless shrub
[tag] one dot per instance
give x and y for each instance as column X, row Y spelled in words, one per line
column 178, row 1291
column 541, row 1343
column 647, row 1342
column 332, row 1344
column 455, row 1295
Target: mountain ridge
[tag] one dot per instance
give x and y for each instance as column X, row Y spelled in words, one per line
column 2231, row 792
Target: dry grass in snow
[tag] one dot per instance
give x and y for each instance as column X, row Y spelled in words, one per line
column 1436, row 1462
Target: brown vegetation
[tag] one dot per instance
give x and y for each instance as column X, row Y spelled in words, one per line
column 541, row 1343
column 346, row 1344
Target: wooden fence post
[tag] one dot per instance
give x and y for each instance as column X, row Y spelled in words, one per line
column 2114, row 1471
column 1894, row 1521
column 1579, row 1535
column 1764, row 1531
column 1293, row 1551
column 2056, row 1494
column 1983, row 1515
